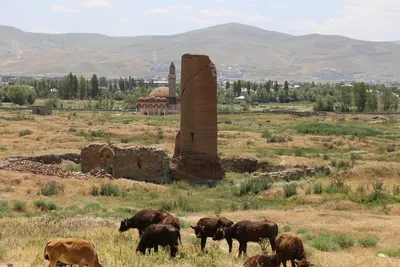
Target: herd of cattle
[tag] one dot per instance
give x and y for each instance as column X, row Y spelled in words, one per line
column 160, row 228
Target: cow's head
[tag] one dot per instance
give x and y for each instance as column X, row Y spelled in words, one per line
column 220, row 234
column 198, row 230
column 124, row 226
column 303, row 263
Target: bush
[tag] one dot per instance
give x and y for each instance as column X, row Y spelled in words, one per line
column 52, row 188
column 253, row 187
column 266, row 134
column 94, row 191
column 276, row 139
column 45, row 206
column 72, row 130
column 369, row 241
column 337, row 185
column 298, row 152
column 290, row 189
column 109, row 190
column 19, row 206
column 74, row 167
column 396, row 190
column 52, row 102
column 332, row 242
column 21, row 94
column 25, row 132
column 325, row 157
column 318, row 188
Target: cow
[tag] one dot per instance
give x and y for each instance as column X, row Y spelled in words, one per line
column 160, row 235
column 290, row 247
column 71, row 251
column 172, row 220
column 142, row 219
column 262, row 261
column 248, row 231
column 207, row 227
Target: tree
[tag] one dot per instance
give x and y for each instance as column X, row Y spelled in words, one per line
column 282, row 96
column 75, row 85
column 19, row 94
column 103, row 82
column 360, row 94
column 248, row 86
column 228, row 85
column 345, row 99
column 286, row 88
column 386, row 99
column 82, row 93
column 94, row 83
column 121, row 84
column 276, row 86
column 268, row 87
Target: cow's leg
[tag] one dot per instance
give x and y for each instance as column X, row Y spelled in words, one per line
column 155, row 248
column 203, row 243
column 272, row 242
column 284, row 263
column 240, row 248
column 174, row 250
column 245, row 249
column 293, row 263
column 140, row 232
column 229, row 240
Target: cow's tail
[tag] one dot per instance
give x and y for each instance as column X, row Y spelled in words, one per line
column 45, row 255
column 275, row 235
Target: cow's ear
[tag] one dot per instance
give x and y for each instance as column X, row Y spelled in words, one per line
column 193, row 227
column 203, row 227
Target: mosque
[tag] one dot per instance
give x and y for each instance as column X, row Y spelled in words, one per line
column 162, row 100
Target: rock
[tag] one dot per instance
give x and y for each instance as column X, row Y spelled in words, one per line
column 381, row 255
column 292, row 174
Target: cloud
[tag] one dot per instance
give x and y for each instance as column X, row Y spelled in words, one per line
column 361, row 19
column 168, row 10
column 62, row 9
column 95, row 3
column 124, row 20
column 221, row 13
column 44, row 30
column 260, row 18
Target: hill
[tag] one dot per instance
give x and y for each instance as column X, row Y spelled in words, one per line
column 254, row 52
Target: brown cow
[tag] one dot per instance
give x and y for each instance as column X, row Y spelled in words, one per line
column 247, row 231
column 142, row 219
column 71, row 251
column 207, row 227
column 160, row 235
column 262, row 261
column 290, row 248
column 172, row 220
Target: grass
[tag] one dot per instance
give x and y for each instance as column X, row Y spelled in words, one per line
column 290, row 189
column 369, row 241
column 3, row 148
column 19, row 206
column 52, row 188
column 335, row 129
column 332, row 242
column 253, row 187
column 25, row 133
column 393, row 253
column 44, row 205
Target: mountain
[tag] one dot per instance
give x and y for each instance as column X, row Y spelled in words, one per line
column 234, row 48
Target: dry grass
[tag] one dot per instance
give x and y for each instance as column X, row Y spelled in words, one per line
column 23, row 234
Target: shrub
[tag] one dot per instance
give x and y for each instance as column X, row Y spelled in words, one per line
column 253, row 187
column 332, row 242
column 325, row 157
column 276, row 139
column 391, row 148
column 109, row 190
column 52, row 102
column 354, row 157
column 19, row 94
column 343, row 164
column 99, row 133
column 266, row 134
column 3, row 148
column 94, row 191
column 52, row 188
column 286, row 228
column 72, row 130
column 19, row 206
column 369, row 241
column 318, row 188
column 45, row 206
column 74, row 167
column 290, row 189
column 298, row 152
column 337, row 185
column 4, row 208
column 396, row 190
column 24, row 133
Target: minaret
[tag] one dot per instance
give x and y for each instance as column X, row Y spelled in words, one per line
column 172, row 84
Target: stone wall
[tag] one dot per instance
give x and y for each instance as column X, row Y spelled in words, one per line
column 136, row 163
column 42, row 110
column 240, row 165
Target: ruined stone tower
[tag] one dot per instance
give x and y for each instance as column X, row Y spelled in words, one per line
column 172, row 85
column 196, row 158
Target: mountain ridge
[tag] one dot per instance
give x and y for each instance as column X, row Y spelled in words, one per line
column 254, row 52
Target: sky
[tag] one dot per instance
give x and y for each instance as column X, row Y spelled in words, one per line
column 371, row 20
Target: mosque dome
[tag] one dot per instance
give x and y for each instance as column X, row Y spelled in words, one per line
column 162, row 91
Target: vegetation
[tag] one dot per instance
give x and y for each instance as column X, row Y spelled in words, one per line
column 332, row 129
column 369, row 241
column 52, row 188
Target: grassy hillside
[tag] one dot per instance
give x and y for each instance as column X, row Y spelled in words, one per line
column 264, row 54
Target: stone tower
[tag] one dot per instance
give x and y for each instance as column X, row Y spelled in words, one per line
column 196, row 158
column 172, row 84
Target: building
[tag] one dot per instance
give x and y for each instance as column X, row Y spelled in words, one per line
column 162, row 100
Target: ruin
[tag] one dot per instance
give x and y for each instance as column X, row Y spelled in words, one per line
column 196, row 159
column 42, row 110
column 138, row 163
